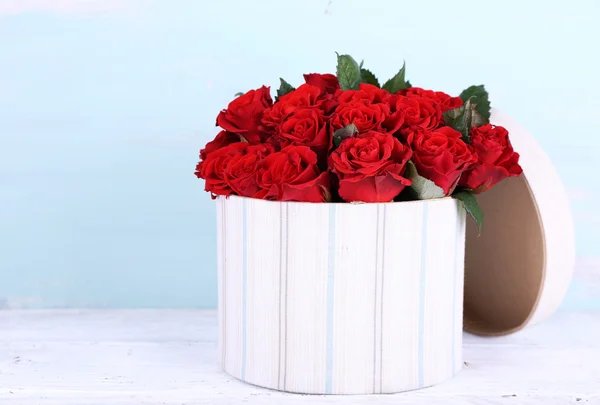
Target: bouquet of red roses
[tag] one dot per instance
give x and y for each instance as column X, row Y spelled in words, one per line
column 345, row 138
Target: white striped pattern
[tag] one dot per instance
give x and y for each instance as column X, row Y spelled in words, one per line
column 340, row 298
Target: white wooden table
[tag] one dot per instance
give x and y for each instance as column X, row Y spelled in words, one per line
column 168, row 357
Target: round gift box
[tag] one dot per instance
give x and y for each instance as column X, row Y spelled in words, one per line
column 340, row 298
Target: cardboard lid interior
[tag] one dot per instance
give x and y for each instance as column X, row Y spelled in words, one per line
column 504, row 266
column 518, row 270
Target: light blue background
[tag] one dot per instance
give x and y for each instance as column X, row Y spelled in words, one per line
column 103, row 109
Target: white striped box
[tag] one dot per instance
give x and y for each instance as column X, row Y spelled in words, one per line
column 340, row 298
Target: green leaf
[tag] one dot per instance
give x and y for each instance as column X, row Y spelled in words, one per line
column 362, row 62
column 398, row 82
column 471, row 205
column 243, row 138
column 464, row 118
column 481, row 101
column 348, row 72
column 424, row 189
column 368, row 77
column 343, row 133
column 239, row 94
column 284, row 89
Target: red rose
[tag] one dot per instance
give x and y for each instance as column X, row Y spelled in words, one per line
column 366, row 117
column 445, row 101
column 212, row 170
column 496, row 158
column 241, row 171
column 441, row 156
column 304, row 96
column 292, row 174
column 223, row 138
column 420, row 113
column 448, row 102
column 243, row 115
column 327, row 83
column 368, row 109
column 366, row 93
column 306, row 126
column 370, row 166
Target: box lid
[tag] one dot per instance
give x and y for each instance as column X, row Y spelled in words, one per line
column 518, row 270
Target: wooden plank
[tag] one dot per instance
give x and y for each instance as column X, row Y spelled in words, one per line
column 169, row 357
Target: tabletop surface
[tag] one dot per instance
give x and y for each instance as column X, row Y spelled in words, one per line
column 169, row 357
